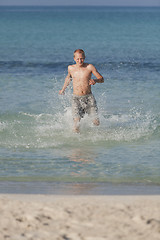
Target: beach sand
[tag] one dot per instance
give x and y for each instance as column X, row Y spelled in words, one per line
column 51, row 217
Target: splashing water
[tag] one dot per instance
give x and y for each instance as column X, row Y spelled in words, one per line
column 55, row 130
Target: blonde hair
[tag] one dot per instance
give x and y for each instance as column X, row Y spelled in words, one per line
column 79, row 51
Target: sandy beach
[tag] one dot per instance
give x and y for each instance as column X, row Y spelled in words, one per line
column 49, row 217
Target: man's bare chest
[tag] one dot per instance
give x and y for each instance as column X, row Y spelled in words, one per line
column 81, row 74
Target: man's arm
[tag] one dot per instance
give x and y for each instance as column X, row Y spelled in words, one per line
column 99, row 77
column 66, row 82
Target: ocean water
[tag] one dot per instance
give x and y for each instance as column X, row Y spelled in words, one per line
column 36, row 138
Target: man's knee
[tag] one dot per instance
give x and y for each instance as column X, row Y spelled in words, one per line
column 96, row 122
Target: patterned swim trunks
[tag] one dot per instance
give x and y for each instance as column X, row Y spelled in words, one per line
column 84, row 104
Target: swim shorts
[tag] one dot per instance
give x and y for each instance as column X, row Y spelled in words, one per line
column 84, row 104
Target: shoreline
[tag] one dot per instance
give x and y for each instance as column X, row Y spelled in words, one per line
column 42, row 217
column 77, row 188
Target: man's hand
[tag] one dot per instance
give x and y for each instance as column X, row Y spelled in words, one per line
column 92, row 82
column 61, row 92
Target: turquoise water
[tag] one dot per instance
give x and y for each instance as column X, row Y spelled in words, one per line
column 36, row 138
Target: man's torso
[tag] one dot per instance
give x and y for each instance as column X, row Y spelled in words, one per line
column 81, row 77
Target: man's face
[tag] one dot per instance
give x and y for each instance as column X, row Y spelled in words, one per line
column 79, row 58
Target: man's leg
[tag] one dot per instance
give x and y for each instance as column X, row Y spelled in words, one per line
column 96, row 121
column 92, row 110
column 76, row 127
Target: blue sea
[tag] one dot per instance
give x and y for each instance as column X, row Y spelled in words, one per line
column 37, row 144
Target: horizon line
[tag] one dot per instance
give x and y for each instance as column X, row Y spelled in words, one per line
column 78, row 5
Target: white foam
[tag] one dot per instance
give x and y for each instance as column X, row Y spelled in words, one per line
column 55, row 130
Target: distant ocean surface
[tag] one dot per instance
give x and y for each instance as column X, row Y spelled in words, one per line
column 36, row 138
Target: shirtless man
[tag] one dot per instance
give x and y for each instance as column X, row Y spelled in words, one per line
column 83, row 101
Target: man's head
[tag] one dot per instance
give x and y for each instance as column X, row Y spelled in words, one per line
column 79, row 51
column 79, row 57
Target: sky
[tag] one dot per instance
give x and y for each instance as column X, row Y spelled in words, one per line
column 81, row 2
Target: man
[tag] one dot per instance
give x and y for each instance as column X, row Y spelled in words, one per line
column 83, row 100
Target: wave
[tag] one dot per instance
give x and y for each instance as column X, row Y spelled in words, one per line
column 55, row 130
column 22, row 64
column 135, row 65
column 154, row 66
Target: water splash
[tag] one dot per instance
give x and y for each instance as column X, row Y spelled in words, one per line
column 55, row 130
